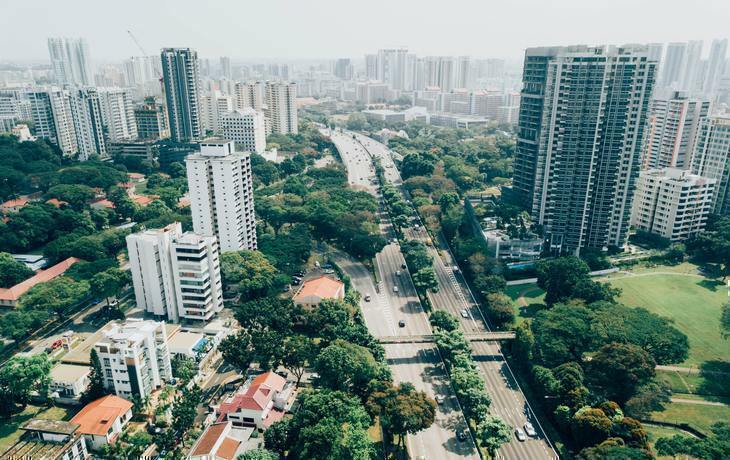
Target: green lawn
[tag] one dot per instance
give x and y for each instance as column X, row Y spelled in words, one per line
column 655, row 432
column 693, row 303
column 698, row 416
column 710, row 387
column 527, row 298
column 10, row 431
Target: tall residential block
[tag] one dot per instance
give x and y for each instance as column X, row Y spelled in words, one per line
column 249, row 94
column 221, row 194
column 716, row 67
column 673, row 124
column 391, row 67
column 182, row 91
column 52, row 118
column 583, row 113
column 247, row 128
column 86, row 113
column 281, row 107
column 711, row 158
column 70, row 61
column 672, row 203
column 117, row 112
column 134, row 356
column 176, row 275
column 151, row 120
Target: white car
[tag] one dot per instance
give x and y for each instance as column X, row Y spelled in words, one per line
column 395, row 289
column 530, row 430
column 464, row 313
column 520, row 435
column 439, row 400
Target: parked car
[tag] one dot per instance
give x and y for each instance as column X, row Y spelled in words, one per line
column 530, row 430
column 395, row 288
column 403, row 266
column 461, row 436
column 367, row 297
column 402, row 323
column 464, row 313
column 397, row 273
column 455, row 268
column 440, row 400
column 520, row 435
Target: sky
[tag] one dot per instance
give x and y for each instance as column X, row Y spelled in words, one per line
column 314, row 29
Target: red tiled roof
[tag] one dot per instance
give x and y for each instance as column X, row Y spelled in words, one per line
column 208, row 439
column 103, row 203
column 228, row 448
column 256, row 397
column 98, row 416
column 322, row 287
column 55, row 202
column 18, row 202
column 143, row 200
column 42, row 276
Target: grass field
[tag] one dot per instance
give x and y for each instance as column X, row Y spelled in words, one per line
column 10, row 431
column 655, row 432
column 698, row 416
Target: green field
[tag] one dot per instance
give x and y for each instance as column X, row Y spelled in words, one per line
column 10, row 431
column 699, row 416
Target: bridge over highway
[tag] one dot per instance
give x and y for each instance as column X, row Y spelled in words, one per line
column 429, row 338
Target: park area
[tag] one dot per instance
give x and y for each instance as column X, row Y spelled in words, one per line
column 693, row 302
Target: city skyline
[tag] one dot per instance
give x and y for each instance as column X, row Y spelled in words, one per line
column 483, row 32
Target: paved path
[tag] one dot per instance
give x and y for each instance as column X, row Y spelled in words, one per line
column 700, row 402
column 690, row 370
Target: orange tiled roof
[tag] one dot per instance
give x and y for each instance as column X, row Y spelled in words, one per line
column 18, row 202
column 207, row 441
column 228, row 448
column 256, row 397
column 104, row 204
column 42, row 276
column 98, row 416
column 55, row 202
column 143, row 200
column 322, row 287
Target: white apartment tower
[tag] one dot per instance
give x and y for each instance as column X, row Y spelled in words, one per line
column 672, row 203
column 134, row 357
column 711, row 158
column 249, row 94
column 221, row 194
column 673, row 124
column 247, row 128
column 176, row 275
column 70, row 61
column 281, row 107
column 117, row 111
column 86, row 114
column 181, row 75
column 52, row 118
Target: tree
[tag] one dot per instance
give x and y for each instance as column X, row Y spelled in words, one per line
column 20, row 377
column 444, row 320
column 424, row 279
column 561, row 334
column 109, row 282
column 96, row 389
column 559, row 277
column 184, row 409
column 347, row 367
column 76, row 195
column 492, row 432
column 236, row 351
column 416, row 255
column 299, row 350
column 12, row 272
column 258, row 454
column 714, row 447
column 616, row 370
column 184, row 369
column 590, row 426
column 56, row 296
column 610, row 451
column 500, row 310
column 649, row 397
column 725, row 321
column 523, row 343
column 123, row 205
column 402, row 409
column 251, row 271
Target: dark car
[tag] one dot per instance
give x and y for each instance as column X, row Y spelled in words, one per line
column 461, row 436
column 403, row 266
column 402, row 323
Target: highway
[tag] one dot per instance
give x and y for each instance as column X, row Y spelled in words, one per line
column 454, row 296
column 386, row 308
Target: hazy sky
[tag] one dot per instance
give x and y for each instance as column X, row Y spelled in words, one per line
column 345, row 28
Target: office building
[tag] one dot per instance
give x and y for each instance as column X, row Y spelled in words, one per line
column 247, row 128
column 70, row 61
column 281, row 107
column 583, row 113
column 711, row 158
column 86, row 113
column 673, row 124
column 672, row 203
column 176, row 275
column 249, row 94
column 52, row 118
column 151, row 120
column 221, row 194
column 181, row 76
column 134, row 357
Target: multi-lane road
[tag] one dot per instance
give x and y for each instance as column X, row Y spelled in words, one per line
column 454, row 296
column 391, row 312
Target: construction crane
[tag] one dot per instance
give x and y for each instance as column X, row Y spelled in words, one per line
column 144, row 53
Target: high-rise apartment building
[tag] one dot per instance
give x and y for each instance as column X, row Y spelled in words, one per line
column 134, row 357
column 371, row 67
column 225, row 62
column 673, row 124
column 221, row 194
column 281, row 107
column 213, row 107
column 439, row 71
column 151, row 120
column 675, row 61
column 715, row 67
column 672, row 203
column 117, row 112
column 583, row 113
column 182, row 91
column 391, row 67
column 343, row 69
column 249, row 94
column 711, row 158
column 247, row 128
column 70, row 61
column 176, row 275
column 86, row 113
column 52, row 118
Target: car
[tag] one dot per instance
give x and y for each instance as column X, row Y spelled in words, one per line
column 403, row 266
column 298, row 278
column 461, row 436
column 440, row 400
column 286, row 288
column 113, row 303
column 367, row 298
column 395, row 288
column 299, row 274
column 296, row 282
column 416, row 226
column 329, row 271
column 464, row 313
column 530, row 430
column 520, row 435
column 397, row 273
column 455, row 268
column 402, row 323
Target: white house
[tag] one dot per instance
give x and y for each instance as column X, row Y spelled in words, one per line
column 68, row 382
column 259, row 405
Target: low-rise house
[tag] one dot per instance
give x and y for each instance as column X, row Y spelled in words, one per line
column 220, row 441
column 316, row 290
column 14, row 205
column 56, row 202
column 68, row 382
column 102, row 203
column 9, row 297
column 101, row 421
column 48, row 440
column 259, row 405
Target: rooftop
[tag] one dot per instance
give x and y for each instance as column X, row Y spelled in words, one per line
column 322, row 287
column 184, row 341
column 98, row 416
column 68, row 373
column 51, row 426
column 13, row 293
column 256, row 397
